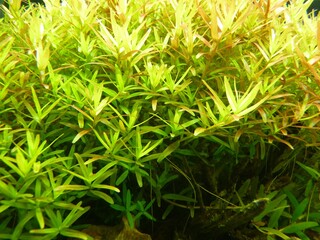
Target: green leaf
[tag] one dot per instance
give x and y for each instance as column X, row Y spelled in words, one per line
column 36, row 102
column 6, row 45
column 54, row 218
column 293, row 200
column 8, row 190
column 103, row 196
column 303, row 236
column 133, row 115
column 122, row 177
column 85, row 171
column 118, row 207
column 198, row 131
column 253, row 107
column 53, row 231
column 5, row 236
column 139, row 178
column 3, row 208
column 167, row 212
column 149, row 216
column 231, row 98
column 104, row 186
column 130, row 220
column 104, row 173
column 22, row 163
column 312, row 171
column 18, row 230
column 66, row 205
column 170, row 149
column 177, row 197
column 299, row 210
column 119, row 78
column 223, row 110
column 40, row 218
column 203, row 113
column 49, row 109
column 149, row 205
column 72, row 187
column 271, row 206
column 9, row 162
column 74, row 215
column 271, row 231
column 128, row 199
column 297, row 227
column 80, row 135
column 309, row 187
column 276, row 214
column 71, row 233
column 147, row 149
column 248, row 97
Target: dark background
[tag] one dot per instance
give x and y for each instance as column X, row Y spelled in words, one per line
column 314, row 6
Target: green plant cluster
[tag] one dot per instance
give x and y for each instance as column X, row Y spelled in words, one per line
column 174, row 102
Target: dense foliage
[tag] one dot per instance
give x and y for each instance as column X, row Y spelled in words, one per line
column 139, row 108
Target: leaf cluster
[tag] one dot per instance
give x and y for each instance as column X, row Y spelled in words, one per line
column 133, row 102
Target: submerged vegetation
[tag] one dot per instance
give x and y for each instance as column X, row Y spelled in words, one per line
column 197, row 114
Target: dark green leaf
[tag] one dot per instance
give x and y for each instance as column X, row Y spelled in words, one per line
column 297, row 227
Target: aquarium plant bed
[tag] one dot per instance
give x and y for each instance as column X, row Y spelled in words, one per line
column 168, row 119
